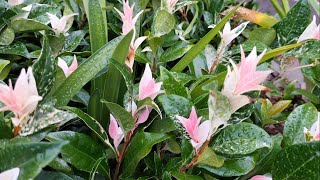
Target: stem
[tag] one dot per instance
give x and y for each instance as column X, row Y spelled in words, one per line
column 16, row 131
column 195, row 158
column 121, row 155
column 300, row 67
column 278, row 8
column 215, row 62
column 286, row 6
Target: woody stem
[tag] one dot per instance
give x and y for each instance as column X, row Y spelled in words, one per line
column 121, row 155
column 195, row 158
column 216, row 61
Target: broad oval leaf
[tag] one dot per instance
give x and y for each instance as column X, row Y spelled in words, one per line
column 299, row 161
column 171, row 85
column 6, row 37
column 28, row 25
column 174, row 52
column 301, row 117
column 241, row 139
column 210, row 158
column 16, row 48
column 163, row 23
column 82, row 151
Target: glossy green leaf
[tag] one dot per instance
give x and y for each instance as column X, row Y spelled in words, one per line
column 248, row 46
column 86, row 71
column 264, row 35
column 174, row 52
column 163, row 23
column 6, row 37
column 5, row 130
column 123, row 117
column 275, row 52
column 161, row 126
column 301, row 117
column 232, row 167
column 175, row 105
column 185, row 176
column 171, row 85
column 149, row 102
column 210, row 158
column 44, row 69
column 60, row 165
column 199, row 47
column 33, row 157
column 16, row 48
column 279, row 107
column 82, row 151
column 92, row 123
column 28, row 25
column 312, row 73
column 39, row 12
column 298, row 161
column 294, row 23
column 73, row 40
column 140, row 145
column 240, row 139
column 49, row 175
column 308, row 50
column 3, row 64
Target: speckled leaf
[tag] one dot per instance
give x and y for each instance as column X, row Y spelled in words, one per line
column 171, row 85
column 163, row 23
column 73, row 40
column 175, row 51
column 312, row 73
column 85, row 72
column 210, row 158
column 183, row 78
column 232, row 167
column 38, row 12
column 28, row 25
column 140, row 145
column 175, row 105
column 299, row 161
column 44, row 69
column 123, row 117
column 92, row 123
column 309, row 49
column 148, row 102
column 16, row 48
column 46, row 115
column 219, row 109
column 241, row 139
column 302, row 116
column 294, row 23
column 248, row 46
column 30, row 157
column 60, row 165
column 6, row 37
column 82, row 151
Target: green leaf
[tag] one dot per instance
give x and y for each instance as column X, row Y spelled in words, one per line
column 48, row 175
column 264, row 35
column 86, row 71
column 313, row 98
column 140, row 145
column 5, row 130
column 60, row 165
column 248, row 46
column 294, row 23
column 298, row 162
column 312, row 73
column 308, row 50
column 161, row 126
column 232, row 167
column 73, row 40
column 45, row 116
column 210, row 158
column 175, row 105
column 124, row 118
column 241, row 139
column 275, row 52
column 185, row 176
column 39, row 12
column 174, row 52
column 3, row 64
column 6, row 37
column 171, row 85
column 92, row 123
column 16, row 48
column 200, row 46
column 28, row 25
column 161, row 27
column 44, row 69
column 149, row 102
column 301, row 117
column 33, row 156
column 279, row 107
column 82, row 151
